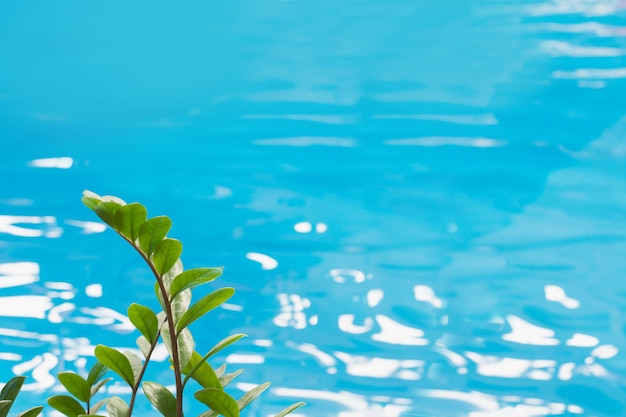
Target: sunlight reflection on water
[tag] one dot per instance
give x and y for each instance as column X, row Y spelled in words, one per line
column 425, row 227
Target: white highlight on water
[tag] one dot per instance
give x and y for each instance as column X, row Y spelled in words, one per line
column 64, row 162
column 266, row 261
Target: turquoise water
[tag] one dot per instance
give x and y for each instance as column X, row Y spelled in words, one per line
column 422, row 204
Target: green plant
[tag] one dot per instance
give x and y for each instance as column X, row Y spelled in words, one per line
column 9, row 393
column 173, row 289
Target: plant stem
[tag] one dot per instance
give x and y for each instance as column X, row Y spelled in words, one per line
column 174, row 342
column 170, row 324
column 140, row 377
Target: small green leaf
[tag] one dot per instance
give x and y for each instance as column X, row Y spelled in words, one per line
column 97, row 371
column 75, row 385
column 220, row 370
column 152, row 232
column 185, row 345
column 289, row 409
column 144, row 320
column 135, row 363
column 169, row 276
column 166, row 254
column 180, row 303
column 161, row 398
column 251, row 395
column 224, row 343
column 218, row 401
column 226, row 379
column 96, row 387
column 90, row 199
column 31, row 412
column 200, row 370
column 117, row 362
column 116, row 407
column 12, row 388
column 144, row 346
column 129, row 219
column 192, row 278
column 66, row 405
column 203, row 306
column 106, row 211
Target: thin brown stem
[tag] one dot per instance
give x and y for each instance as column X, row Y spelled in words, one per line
column 140, row 376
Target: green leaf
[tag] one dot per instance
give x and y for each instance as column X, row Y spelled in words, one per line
column 144, row 346
column 152, row 232
column 169, row 276
column 200, row 370
column 75, row 385
column 161, row 398
column 144, row 320
column 218, row 401
column 197, row 363
column 31, row 412
column 96, row 387
column 90, row 199
column 66, row 405
column 192, row 278
column 117, row 362
column 203, row 306
column 129, row 219
column 185, row 345
column 116, row 407
column 135, row 363
column 180, row 303
column 9, row 393
column 220, row 370
column 226, row 379
column 97, row 371
column 289, row 409
column 166, row 254
column 224, row 343
column 5, row 404
column 106, row 211
column 12, row 388
column 251, row 395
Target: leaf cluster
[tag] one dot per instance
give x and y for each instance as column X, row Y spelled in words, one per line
column 173, row 289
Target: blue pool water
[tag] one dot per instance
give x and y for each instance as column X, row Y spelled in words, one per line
column 422, row 204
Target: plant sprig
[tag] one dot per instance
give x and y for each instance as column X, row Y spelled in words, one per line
column 173, row 289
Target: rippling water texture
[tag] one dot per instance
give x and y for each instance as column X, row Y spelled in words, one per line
column 421, row 203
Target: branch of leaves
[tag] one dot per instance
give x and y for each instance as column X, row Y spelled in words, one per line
column 82, row 390
column 173, row 290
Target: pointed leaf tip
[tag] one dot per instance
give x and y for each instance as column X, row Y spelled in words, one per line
column 144, row 320
column 203, row 306
column 117, row 362
column 75, row 385
column 152, row 232
column 129, row 219
column 31, row 412
column 192, row 278
column 166, row 254
column 66, row 405
column 289, row 409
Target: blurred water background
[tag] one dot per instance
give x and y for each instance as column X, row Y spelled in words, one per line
column 421, row 203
